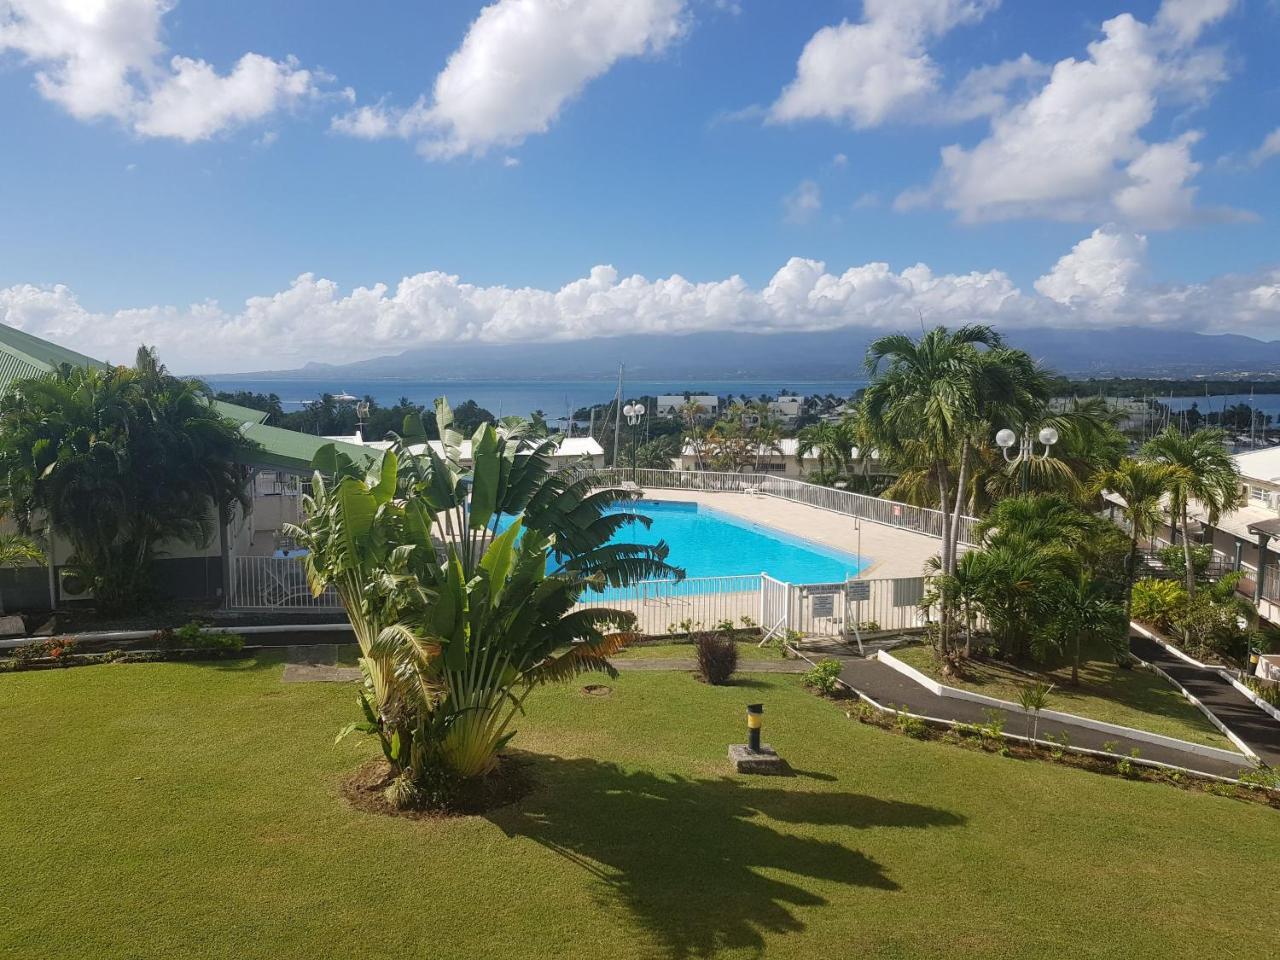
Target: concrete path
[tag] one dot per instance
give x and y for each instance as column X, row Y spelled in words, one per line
column 1237, row 712
column 889, row 688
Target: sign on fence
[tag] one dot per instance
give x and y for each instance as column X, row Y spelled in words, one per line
column 823, row 605
column 856, row 591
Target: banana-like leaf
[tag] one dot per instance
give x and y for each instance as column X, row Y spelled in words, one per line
column 486, row 471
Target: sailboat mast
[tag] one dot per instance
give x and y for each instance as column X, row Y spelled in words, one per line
column 617, row 417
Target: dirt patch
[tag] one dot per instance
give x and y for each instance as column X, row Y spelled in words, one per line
column 509, row 782
column 597, row 690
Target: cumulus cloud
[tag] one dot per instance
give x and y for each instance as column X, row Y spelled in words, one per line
column 519, row 64
column 863, row 73
column 105, row 59
column 1075, row 149
column 1099, row 283
column 1101, row 266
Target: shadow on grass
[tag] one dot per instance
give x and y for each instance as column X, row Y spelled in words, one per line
column 688, row 858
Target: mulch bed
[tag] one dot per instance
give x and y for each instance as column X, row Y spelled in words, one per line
column 509, row 782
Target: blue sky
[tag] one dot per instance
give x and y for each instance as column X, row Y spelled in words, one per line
column 694, row 139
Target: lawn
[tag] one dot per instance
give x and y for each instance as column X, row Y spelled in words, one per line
column 1131, row 698
column 747, row 651
column 184, row 810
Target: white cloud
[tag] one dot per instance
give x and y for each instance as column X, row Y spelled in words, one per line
column 1075, row 149
column 863, row 73
column 1270, row 147
column 1103, row 265
column 1187, row 19
column 1100, row 283
column 104, row 59
column 519, row 64
column 803, row 203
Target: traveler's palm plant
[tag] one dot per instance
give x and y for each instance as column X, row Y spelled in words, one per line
column 458, row 619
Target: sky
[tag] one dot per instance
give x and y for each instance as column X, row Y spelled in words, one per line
column 254, row 184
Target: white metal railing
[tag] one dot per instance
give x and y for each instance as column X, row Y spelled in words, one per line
column 875, row 509
column 275, row 583
column 677, row 606
column 664, row 607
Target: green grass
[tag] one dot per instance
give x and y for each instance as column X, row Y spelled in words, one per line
column 747, row 650
column 185, row 810
column 1131, row 698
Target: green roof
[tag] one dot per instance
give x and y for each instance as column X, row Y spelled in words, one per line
column 291, row 450
column 23, row 356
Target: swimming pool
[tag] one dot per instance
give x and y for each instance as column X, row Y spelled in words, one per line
column 709, row 543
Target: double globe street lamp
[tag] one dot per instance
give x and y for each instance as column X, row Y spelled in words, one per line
column 634, row 411
column 1006, row 439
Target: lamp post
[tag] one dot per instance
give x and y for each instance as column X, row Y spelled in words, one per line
column 1006, row 438
column 633, row 411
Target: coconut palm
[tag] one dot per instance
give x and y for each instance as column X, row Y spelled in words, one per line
column 832, row 443
column 1018, row 582
column 117, row 462
column 1141, row 485
column 1208, row 474
column 460, row 585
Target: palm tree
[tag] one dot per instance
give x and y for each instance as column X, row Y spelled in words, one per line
column 1208, row 474
column 1140, row 485
column 460, row 586
column 1088, row 613
column 1018, row 583
column 832, row 443
column 118, row 461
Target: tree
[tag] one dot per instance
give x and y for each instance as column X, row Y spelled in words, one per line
column 1207, row 473
column 116, row 462
column 1088, row 613
column 832, row 443
column 1033, row 698
column 933, row 400
column 460, row 586
column 1140, row 485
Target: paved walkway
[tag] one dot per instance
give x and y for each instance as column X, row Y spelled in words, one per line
column 1237, row 712
column 889, row 688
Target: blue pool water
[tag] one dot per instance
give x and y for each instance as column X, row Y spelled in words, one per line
column 708, row 543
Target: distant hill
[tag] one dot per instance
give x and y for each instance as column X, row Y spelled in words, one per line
column 837, row 354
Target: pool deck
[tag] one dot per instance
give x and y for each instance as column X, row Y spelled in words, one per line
column 892, row 552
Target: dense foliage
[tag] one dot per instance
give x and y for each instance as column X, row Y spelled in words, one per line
column 457, row 618
column 117, row 462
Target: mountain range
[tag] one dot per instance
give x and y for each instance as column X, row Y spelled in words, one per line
column 835, row 354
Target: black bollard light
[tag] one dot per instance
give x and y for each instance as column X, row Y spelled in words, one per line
column 755, row 719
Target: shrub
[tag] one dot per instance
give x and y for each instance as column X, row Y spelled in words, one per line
column 1159, row 602
column 194, row 636
column 824, row 677
column 717, row 657
column 1172, row 558
column 1266, row 691
column 59, row 649
column 911, row 726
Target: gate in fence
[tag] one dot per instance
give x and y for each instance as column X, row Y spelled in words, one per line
column 275, row 583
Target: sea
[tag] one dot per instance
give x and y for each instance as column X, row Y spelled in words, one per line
column 1268, row 403
column 557, row 399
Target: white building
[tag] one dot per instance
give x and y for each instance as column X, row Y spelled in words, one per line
column 788, row 408
column 671, row 405
column 781, row 460
column 572, row 451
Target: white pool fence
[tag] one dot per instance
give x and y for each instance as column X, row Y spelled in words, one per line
column 660, row 607
column 889, row 513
